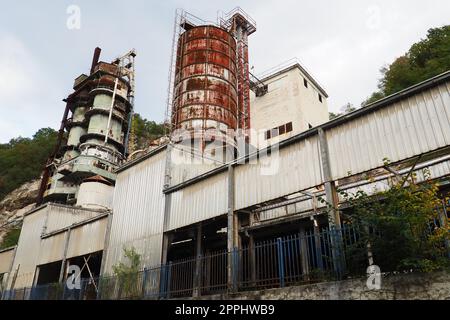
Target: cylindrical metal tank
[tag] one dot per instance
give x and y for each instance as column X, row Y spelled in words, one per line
column 95, row 193
column 205, row 93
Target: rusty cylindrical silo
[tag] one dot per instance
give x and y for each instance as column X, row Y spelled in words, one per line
column 205, row 93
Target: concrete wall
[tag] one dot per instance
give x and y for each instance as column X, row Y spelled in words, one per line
column 287, row 100
column 431, row 286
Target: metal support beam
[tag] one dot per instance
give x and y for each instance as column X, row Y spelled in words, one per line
column 106, row 243
column 332, row 199
column 304, row 253
column 232, row 233
column 330, row 188
column 64, row 257
column 198, row 262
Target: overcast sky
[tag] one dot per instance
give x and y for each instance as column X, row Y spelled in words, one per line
column 342, row 43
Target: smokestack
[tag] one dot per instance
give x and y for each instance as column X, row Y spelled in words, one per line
column 95, row 58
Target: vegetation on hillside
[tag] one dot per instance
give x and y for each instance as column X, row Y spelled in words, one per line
column 22, row 159
column 144, row 131
column 343, row 110
column 11, row 238
column 425, row 59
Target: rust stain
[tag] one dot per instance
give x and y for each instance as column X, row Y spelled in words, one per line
column 205, row 78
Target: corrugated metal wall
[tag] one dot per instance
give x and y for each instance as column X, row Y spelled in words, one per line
column 200, row 201
column 6, row 258
column 32, row 250
column 52, row 248
column 296, row 168
column 28, row 247
column 185, row 166
column 60, row 216
column 87, row 238
column 138, row 213
column 412, row 126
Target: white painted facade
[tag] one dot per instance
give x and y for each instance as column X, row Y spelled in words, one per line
column 287, row 100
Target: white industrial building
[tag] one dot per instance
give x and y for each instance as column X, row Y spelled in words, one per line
column 149, row 217
column 169, row 210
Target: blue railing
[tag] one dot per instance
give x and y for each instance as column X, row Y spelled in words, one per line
column 279, row 262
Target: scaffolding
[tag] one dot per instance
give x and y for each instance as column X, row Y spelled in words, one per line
column 241, row 25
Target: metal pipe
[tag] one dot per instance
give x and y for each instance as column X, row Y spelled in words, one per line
column 111, row 110
column 46, row 172
column 95, row 58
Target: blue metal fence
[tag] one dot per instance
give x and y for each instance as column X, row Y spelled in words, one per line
column 279, row 262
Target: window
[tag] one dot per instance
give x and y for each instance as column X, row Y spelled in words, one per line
column 309, row 125
column 320, row 97
column 288, row 127
column 284, row 128
column 274, row 132
column 305, row 83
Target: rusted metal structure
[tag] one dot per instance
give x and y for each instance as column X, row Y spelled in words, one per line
column 241, row 25
column 208, row 103
column 205, row 84
column 94, row 130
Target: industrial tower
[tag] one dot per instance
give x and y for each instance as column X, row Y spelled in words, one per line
column 93, row 137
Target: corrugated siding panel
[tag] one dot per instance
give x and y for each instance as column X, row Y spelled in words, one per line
column 62, row 217
column 203, row 200
column 412, row 126
column 297, row 168
column 6, row 260
column 138, row 212
column 52, row 248
column 184, row 167
column 28, row 247
column 87, row 238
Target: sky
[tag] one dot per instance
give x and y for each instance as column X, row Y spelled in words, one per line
column 343, row 44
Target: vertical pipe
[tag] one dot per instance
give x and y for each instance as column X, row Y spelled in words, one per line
column 111, row 110
column 95, row 58
column 46, row 173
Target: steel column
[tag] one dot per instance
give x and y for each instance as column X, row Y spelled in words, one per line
column 232, row 233
column 198, row 263
column 332, row 199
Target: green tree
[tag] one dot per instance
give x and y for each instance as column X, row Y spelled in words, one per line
column 348, row 107
column 425, row 59
column 398, row 224
column 127, row 274
column 22, row 159
column 11, row 238
column 145, row 131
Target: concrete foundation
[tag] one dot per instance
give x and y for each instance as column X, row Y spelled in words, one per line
column 413, row 286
